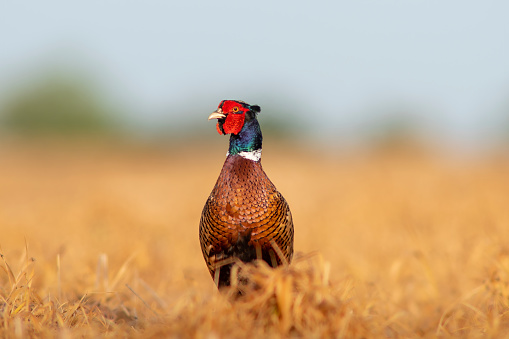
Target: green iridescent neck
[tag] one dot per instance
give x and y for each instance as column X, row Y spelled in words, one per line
column 248, row 140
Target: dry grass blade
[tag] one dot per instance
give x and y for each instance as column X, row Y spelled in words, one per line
column 8, row 270
column 279, row 253
column 153, row 293
column 122, row 272
column 143, row 301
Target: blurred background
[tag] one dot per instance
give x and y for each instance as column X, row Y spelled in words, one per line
column 340, row 75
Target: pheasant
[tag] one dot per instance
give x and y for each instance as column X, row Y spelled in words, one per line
column 245, row 218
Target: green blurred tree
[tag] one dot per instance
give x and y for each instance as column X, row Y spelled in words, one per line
column 60, row 105
column 395, row 129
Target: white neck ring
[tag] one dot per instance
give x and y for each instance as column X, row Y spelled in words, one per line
column 255, row 155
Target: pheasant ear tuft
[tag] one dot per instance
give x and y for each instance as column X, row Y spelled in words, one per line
column 255, row 108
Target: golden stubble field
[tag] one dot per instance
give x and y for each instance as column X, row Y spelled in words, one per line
column 101, row 240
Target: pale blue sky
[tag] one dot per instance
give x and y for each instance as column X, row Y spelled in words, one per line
column 341, row 62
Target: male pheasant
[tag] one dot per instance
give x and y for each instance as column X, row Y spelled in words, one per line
column 245, row 217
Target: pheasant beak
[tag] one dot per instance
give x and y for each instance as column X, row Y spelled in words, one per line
column 218, row 114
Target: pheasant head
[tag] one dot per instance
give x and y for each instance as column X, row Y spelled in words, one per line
column 232, row 114
column 238, row 119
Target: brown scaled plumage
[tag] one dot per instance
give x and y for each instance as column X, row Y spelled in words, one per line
column 245, row 217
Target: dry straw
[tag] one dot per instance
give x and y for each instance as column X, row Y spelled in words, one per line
column 298, row 300
column 411, row 248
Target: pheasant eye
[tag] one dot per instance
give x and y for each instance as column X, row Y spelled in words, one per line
column 235, row 109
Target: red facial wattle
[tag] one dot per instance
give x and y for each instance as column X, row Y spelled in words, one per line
column 233, row 123
column 218, row 127
column 235, row 117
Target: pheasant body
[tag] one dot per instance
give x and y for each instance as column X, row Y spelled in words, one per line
column 245, row 217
